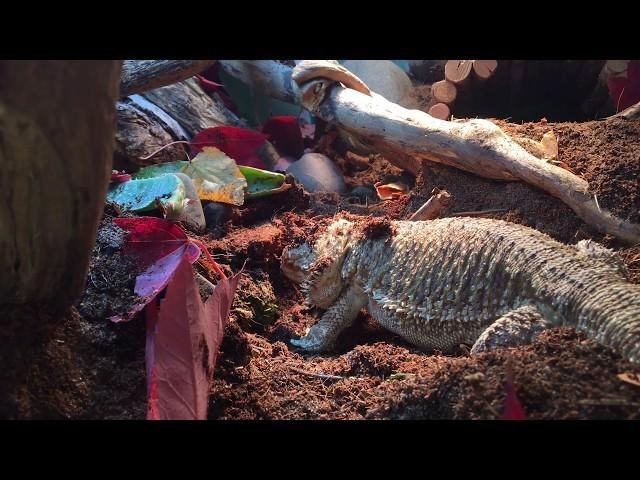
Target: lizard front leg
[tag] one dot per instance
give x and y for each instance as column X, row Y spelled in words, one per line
column 340, row 315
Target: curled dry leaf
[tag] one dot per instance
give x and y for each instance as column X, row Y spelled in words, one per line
column 632, row 378
column 241, row 144
column 391, row 191
column 549, row 144
column 216, row 177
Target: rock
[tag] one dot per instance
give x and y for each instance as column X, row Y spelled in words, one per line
column 317, row 173
column 192, row 216
column 363, row 194
column 216, row 214
column 383, row 77
column 283, row 164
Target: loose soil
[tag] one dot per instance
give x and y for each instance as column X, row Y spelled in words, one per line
column 373, row 374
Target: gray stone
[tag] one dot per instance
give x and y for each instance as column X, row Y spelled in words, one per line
column 364, row 193
column 383, row 77
column 317, row 173
column 216, row 214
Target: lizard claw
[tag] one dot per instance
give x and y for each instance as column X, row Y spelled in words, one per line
column 309, row 343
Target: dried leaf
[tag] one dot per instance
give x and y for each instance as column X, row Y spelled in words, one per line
column 166, row 192
column 241, row 144
column 160, row 169
column 285, row 134
column 262, row 183
column 632, row 378
column 210, row 83
column 513, row 409
column 216, row 177
column 183, row 339
column 391, row 190
column 549, row 144
column 157, row 246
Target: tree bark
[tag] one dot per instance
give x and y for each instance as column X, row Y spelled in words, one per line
column 141, row 75
column 57, row 126
column 407, row 136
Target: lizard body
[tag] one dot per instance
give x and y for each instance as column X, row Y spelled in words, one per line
column 444, row 282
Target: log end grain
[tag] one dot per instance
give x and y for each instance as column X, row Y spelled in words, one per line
column 444, row 92
column 441, row 111
column 484, row 69
column 458, row 71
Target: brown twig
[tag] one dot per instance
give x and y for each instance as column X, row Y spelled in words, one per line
column 432, row 208
column 317, row 375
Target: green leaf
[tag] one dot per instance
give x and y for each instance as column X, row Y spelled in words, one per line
column 160, row 169
column 166, row 192
column 261, row 183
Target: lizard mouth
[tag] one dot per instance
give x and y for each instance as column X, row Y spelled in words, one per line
column 295, row 263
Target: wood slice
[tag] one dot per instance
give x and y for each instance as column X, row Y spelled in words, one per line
column 484, row 69
column 444, row 92
column 441, row 111
column 458, row 71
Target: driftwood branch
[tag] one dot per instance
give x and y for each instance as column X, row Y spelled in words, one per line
column 406, row 137
column 141, row 75
column 630, row 113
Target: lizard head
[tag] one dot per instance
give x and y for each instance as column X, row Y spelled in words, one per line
column 318, row 267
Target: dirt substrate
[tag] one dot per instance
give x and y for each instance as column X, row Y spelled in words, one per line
column 373, row 374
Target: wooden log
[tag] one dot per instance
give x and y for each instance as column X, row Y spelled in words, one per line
column 140, row 133
column 57, row 124
column 444, row 92
column 176, row 112
column 187, row 103
column 458, row 71
column 141, row 75
column 630, row 113
column 484, row 69
column 441, row 111
column 406, row 137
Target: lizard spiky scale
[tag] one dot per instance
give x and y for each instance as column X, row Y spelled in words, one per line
column 443, row 282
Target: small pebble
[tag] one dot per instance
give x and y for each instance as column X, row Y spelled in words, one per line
column 364, row 193
column 317, row 173
column 216, row 214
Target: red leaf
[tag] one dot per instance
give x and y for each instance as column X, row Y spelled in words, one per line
column 625, row 91
column 212, row 87
column 158, row 246
column 182, row 345
column 513, row 409
column 238, row 143
column 285, row 134
column 119, row 177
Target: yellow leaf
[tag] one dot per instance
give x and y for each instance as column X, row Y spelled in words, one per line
column 549, row 144
column 632, row 378
column 216, row 177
